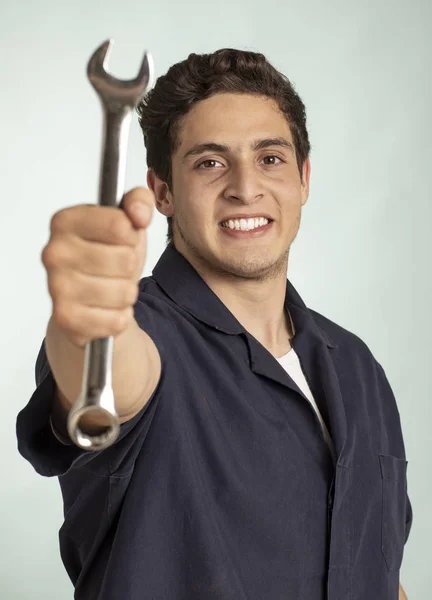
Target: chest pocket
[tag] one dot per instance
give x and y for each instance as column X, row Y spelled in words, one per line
column 394, row 494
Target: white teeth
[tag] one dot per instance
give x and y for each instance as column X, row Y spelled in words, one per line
column 245, row 224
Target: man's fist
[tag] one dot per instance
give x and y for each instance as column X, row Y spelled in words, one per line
column 94, row 260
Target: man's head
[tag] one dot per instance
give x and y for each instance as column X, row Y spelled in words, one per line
column 226, row 135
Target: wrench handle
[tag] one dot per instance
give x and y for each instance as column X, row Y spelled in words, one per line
column 97, row 398
column 114, row 144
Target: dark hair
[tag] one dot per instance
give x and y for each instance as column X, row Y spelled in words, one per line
column 201, row 76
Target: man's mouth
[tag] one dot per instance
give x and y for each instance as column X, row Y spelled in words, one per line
column 245, row 224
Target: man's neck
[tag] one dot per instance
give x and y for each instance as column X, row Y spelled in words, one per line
column 259, row 307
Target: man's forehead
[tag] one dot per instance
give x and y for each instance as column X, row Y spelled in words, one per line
column 233, row 119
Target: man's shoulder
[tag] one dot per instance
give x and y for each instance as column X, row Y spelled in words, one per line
column 154, row 301
column 340, row 336
column 157, row 312
column 148, row 284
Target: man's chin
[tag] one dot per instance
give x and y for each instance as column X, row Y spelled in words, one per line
column 261, row 266
column 252, row 269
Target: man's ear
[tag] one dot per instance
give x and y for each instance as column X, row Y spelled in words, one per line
column 306, row 171
column 162, row 194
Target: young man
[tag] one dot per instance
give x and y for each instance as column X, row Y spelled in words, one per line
column 261, row 455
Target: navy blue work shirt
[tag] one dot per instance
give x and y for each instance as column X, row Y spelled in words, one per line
column 223, row 486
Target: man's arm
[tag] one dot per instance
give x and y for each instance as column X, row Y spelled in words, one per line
column 94, row 260
column 135, row 375
column 402, row 595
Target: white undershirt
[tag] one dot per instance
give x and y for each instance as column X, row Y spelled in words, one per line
column 291, row 363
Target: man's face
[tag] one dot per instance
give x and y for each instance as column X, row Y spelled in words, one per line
column 236, row 189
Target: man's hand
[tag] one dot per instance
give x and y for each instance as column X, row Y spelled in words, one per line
column 402, row 595
column 94, row 260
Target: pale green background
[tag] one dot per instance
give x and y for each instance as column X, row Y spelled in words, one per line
column 363, row 254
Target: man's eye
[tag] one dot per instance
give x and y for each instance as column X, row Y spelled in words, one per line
column 272, row 160
column 208, row 164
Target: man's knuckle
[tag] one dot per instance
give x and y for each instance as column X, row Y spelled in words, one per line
column 58, row 221
column 128, row 261
column 120, row 320
column 119, row 229
column 63, row 315
column 55, row 253
column 131, row 294
column 56, row 286
column 48, row 256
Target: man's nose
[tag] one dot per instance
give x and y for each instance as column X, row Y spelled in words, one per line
column 244, row 184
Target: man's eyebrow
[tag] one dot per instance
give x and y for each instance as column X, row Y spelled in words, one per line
column 222, row 148
column 277, row 141
column 206, row 147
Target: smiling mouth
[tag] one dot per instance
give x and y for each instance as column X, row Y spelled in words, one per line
column 245, row 224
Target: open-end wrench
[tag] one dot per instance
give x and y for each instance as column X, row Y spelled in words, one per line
column 118, row 99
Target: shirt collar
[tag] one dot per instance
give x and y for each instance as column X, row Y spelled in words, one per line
column 184, row 286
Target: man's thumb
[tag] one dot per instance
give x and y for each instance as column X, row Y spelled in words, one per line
column 138, row 204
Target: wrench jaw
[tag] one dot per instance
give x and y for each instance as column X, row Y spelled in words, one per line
column 112, row 89
column 98, row 62
column 146, row 72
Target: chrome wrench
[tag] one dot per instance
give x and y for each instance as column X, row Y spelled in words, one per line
column 118, row 99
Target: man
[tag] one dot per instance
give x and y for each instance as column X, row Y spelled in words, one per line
column 261, row 455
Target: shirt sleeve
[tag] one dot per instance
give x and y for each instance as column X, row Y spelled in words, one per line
column 408, row 519
column 395, row 428
column 48, row 448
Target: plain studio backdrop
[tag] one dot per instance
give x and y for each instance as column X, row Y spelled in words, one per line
column 362, row 257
